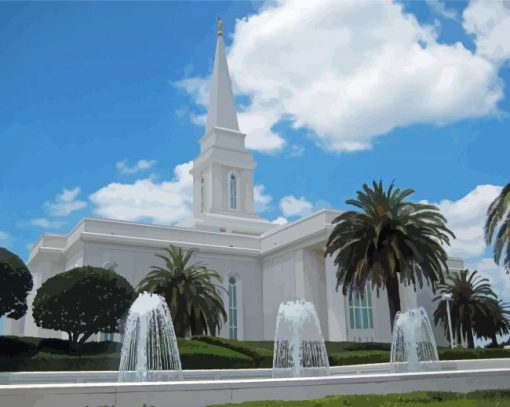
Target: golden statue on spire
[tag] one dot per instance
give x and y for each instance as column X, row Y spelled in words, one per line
column 220, row 27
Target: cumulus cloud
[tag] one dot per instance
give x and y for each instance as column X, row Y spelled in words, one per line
column 3, row 235
column 65, row 203
column 489, row 22
column 440, row 8
column 280, row 220
column 292, row 206
column 46, row 223
column 261, row 198
column 140, row 165
column 352, row 71
column 466, row 218
column 165, row 202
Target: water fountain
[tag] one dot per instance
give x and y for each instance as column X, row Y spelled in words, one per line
column 413, row 347
column 299, row 348
column 149, row 350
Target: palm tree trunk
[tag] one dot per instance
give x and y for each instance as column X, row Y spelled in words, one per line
column 470, row 339
column 494, row 341
column 393, row 298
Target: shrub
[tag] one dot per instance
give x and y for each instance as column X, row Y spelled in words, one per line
column 200, row 355
column 15, row 284
column 54, row 345
column 463, row 353
column 12, row 346
column 83, row 301
column 262, row 357
column 15, row 352
column 358, row 357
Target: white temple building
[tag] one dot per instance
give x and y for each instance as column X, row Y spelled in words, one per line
column 262, row 264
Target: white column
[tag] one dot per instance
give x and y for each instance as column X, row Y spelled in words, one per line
column 299, row 274
column 336, row 305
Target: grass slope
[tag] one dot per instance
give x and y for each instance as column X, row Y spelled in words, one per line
column 415, row 399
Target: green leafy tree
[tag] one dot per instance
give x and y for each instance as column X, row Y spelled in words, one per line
column 15, row 284
column 189, row 289
column 390, row 240
column 82, row 302
column 497, row 227
column 496, row 323
column 470, row 307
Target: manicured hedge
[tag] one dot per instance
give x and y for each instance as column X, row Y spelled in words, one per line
column 335, row 347
column 262, row 356
column 27, row 353
column 415, row 399
column 358, row 357
column 44, row 361
column 200, row 355
column 479, row 353
column 16, row 354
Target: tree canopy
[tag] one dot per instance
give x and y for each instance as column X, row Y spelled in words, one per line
column 15, row 284
column 471, row 305
column 497, row 227
column 83, row 301
column 190, row 291
column 389, row 241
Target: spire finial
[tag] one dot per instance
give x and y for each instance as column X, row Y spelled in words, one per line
column 220, row 27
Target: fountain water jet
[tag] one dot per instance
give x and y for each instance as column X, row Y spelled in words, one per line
column 149, row 350
column 413, row 347
column 299, row 348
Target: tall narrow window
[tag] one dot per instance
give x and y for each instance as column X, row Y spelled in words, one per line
column 232, row 308
column 360, row 310
column 202, row 195
column 233, row 192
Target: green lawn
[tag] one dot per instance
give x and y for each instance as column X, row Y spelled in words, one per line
column 416, row 399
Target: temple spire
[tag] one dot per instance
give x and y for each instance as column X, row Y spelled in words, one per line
column 221, row 111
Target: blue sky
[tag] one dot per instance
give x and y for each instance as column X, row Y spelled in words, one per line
column 102, row 102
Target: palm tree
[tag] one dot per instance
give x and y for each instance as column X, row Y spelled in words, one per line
column 194, row 300
column 497, row 322
column 469, row 303
column 389, row 240
column 498, row 216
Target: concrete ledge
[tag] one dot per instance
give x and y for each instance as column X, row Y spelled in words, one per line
column 200, row 393
column 218, row 374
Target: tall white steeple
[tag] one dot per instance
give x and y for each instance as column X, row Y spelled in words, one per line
column 221, row 111
column 223, row 171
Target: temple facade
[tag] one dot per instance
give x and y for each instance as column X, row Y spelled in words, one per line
column 262, row 264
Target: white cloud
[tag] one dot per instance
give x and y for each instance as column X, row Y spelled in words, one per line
column 489, row 22
column 165, row 203
column 4, row 235
column 46, row 223
column 440, row 8
column 295, row 151
column 257, row 122
column 280, row 220
column 197, row 88
column 292, row 206
column 466, row 218
column 140, row 165
column 261, row 198
column 65, row 203
column 352, row 71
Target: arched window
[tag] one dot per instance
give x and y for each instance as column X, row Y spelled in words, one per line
column 360, row 310
column 232, row 308
column 233, row 192
column 202, row 195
